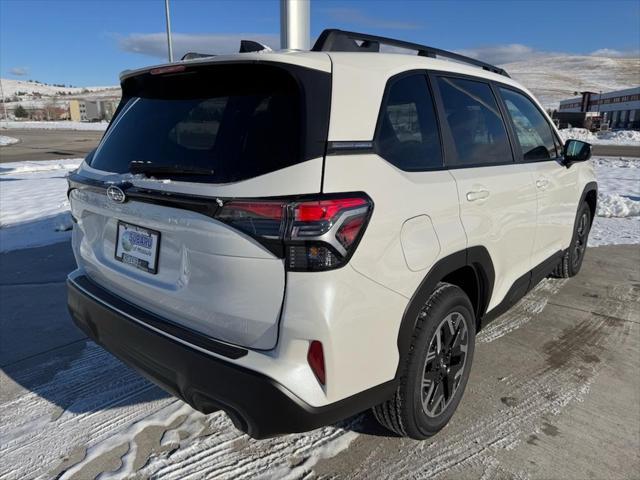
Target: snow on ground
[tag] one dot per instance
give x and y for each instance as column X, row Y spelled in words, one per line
column 34, row 209
column 619, row 137
column 97, row 401
column 61, row 125
column 7, row 140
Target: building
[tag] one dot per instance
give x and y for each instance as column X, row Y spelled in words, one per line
column 619, row 109
column 83, row 110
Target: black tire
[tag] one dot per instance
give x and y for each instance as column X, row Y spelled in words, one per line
column 572, row 258
column 406, row 412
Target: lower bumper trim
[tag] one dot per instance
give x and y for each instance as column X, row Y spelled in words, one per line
column 257, row 404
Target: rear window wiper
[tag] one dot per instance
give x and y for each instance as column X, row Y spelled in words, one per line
column 149, row 168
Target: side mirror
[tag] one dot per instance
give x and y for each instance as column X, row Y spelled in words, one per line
column 576, row 151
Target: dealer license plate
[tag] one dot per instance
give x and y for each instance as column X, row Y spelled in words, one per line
column 138, row 246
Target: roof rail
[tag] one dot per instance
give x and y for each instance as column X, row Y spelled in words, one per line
column 333, row 40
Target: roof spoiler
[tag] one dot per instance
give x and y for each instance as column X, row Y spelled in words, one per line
column 333, row 40
column 245, row 47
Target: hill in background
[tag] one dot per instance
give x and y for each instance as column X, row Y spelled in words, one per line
column 550, row 77
column 556, row 77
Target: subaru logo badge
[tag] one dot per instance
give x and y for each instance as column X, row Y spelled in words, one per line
column 115, row 194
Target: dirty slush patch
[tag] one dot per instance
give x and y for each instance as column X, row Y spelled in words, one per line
column 570, row 365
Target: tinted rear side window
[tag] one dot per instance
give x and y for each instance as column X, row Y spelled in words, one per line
column 408, row 134
column 477, row 127
column 239, row 121
column 532, row 129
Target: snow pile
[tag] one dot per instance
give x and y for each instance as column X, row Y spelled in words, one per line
column 616, row 205
column 7, row 140
column 62, row 125
column 35, row 209
column 620, row 137
column 581, row 134
column 618, row 216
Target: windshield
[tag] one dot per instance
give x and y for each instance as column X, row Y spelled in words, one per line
column 234, row 122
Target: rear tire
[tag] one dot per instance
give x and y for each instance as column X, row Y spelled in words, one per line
column 572, row 258
column 437, row 367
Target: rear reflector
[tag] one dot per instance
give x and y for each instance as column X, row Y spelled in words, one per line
column 315, row 357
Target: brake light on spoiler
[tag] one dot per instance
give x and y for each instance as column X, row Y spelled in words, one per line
column 312, row 234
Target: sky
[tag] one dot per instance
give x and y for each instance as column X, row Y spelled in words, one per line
column 89, row 42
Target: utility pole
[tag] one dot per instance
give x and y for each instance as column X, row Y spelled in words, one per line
column 4, row 104
column 295, row 24
column 166, row 12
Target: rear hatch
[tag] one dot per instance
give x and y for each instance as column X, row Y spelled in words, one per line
column 178, row 209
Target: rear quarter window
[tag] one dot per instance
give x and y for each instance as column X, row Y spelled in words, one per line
column 408, row 135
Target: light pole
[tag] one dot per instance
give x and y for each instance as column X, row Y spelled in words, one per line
column 294, row 24
column 166, row 12
column 4, row 104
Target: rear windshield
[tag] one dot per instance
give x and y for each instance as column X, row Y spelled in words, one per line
column 225, row 123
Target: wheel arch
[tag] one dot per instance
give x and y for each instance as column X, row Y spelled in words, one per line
column 470, row 269
column 590, row 196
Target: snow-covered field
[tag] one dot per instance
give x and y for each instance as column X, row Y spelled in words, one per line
column 552, row 78
column 12, row 87
column 61, row 125
column 34, row 209
column 619, row 137
column 7, row 140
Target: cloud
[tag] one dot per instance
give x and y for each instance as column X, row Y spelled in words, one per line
column 611, row 53
column 19, row 71
column 515, row 52
column 357, row 17
column 155, row 44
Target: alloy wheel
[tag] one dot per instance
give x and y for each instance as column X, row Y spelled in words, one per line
column 444, row 365
column 581, row 239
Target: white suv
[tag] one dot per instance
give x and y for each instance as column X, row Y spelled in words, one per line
column 294, row 237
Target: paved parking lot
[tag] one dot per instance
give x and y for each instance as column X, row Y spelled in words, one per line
column 41, row 144
column 554, row 393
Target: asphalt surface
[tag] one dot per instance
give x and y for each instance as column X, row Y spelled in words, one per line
column 616, row 150
column 56, row 144
column 554, row 392
column 40, row 144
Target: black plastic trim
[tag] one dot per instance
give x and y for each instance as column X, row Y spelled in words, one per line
column 477, row 258
column 334, row 40
column 257, row 404
column 522, row 286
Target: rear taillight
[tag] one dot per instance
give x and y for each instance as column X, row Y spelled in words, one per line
column 311, row 234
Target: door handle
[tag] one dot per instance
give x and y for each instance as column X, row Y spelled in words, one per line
column 542, row 183
column 477, row 195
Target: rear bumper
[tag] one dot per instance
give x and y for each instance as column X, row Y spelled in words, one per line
column 181, row 363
